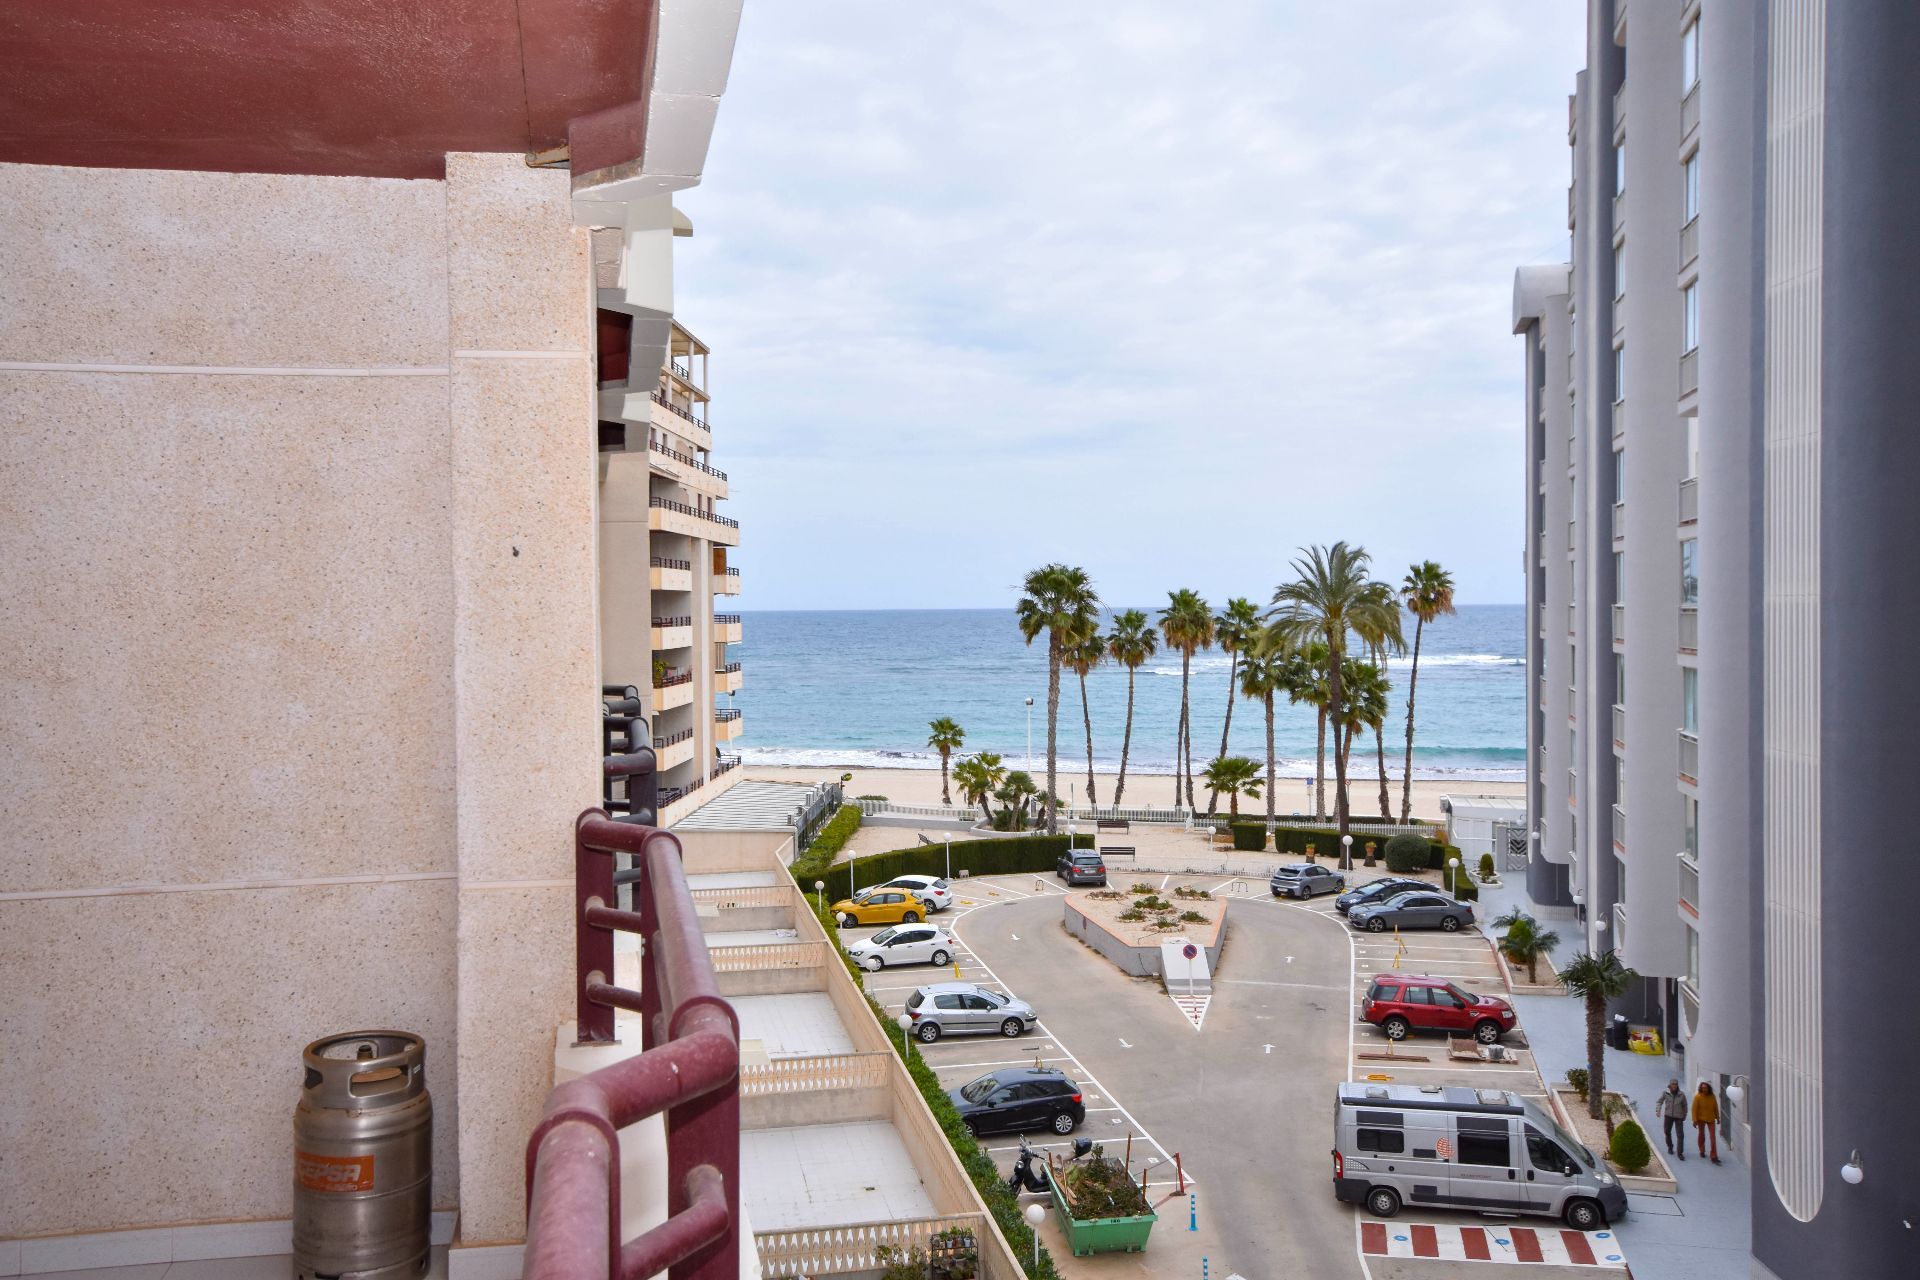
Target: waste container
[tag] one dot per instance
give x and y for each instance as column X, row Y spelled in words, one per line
column 363, row 1159
column 1617, row 1032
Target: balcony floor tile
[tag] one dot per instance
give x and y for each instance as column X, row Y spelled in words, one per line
column 829, row 1175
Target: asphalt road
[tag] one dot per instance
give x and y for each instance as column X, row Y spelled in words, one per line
column 1246, row 1100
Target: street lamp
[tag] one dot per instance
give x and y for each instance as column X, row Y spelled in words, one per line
column 1036, row 1214
column 1452, row 865
column 820, row 894
column 1853, row 1173
column 903, row 1022
column 1030, row 737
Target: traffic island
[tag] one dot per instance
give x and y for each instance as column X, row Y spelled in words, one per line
column 1130, row 926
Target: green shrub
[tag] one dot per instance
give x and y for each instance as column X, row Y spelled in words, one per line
column 827, row 843
column 1630, row 1148
column 984, row 857
column 1250, row 837
column 1577, row 1077
column 1486, row 866
column 1193, row 917
column 1465, row 887
column 1406, row 853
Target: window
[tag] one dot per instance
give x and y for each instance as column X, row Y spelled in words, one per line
column 1484, row 1149
column 1690, row 572
column 1620, row 678
column 1690, row 57
column 946, row 1002
column 1620, row 169
column 1620, row 781
column 1545, row 1154
column 1416, row 995
column 1620, row 270
column 1619, row 475
column 1690, row 826
column 1387, row 1141
column 1619, row 373
column 1692, row 187
column 1690, row 699
column 1619, row 577
column 1693, row 956
column 1446, row 999
column 1381, row 991
column 1691, row 298
column 1620, row 879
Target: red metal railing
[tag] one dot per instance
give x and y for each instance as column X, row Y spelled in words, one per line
column 688, row 1068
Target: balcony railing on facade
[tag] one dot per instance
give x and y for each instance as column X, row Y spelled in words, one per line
column 1571, row 526
column 663, row 740
column 1573, row 704
column 726, row 619
column 676, row 620
column 1619, row 828
column 665, row 401
column 725, row 715
column 686, row 460
column 668, row 504
column 1619, row 726
column 1690, row 501
column 1689, row 628
column 1573, row 614
column 724, row 763
column 1617, row 418
column 1620, row 624
column 1619, row 926
column 1689, row 243
column 1690, row 112
column 1620, row 107
column 727, row 669
column 665, row 562
column 1619, row 515
column 1689, row 758
column 1690, row 372
column 672, row 678
column 1689, row 883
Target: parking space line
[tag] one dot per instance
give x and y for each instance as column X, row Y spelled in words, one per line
column 1007, row 1062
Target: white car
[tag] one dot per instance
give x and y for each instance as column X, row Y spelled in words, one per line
column 903, row 944
column 931, row 890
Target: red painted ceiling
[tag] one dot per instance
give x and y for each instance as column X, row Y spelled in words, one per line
column 370, row 87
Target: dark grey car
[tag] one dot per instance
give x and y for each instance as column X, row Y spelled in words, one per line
column 1420, row 909
column 1081, row 866
column 1305, row 879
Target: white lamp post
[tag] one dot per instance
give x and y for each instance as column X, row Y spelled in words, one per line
column 1030, row 736
column 1852, row 1172
column 903, row 1022
column 820, row 893
column 1453, row 865
column 1036, row 1214
column 1346, row 853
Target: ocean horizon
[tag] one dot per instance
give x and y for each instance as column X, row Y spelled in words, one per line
column 855, row 688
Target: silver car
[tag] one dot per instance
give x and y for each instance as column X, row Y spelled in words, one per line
column 1419, row 909
column 957, row 1008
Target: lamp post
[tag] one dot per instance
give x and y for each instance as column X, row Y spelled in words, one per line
column 903, row 1022
column 1346, row 852
column 820, row 894
column 1036, row 1214
column 1029, row 734
column 1453, row 865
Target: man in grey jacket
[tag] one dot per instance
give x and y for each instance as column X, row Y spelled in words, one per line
column 1673, row 1119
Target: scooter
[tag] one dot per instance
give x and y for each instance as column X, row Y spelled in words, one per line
column 1025, row 1177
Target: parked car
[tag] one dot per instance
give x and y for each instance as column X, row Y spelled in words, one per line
column 931, row 890
column 878, row 906
column 960, row 1008
column 903, row 944
column 1304, row 880
column 1081, row 866
column 1481, row 1150
column 1399, row 1003
column 1018, row 1099
column 1377, row 891
column 1427, row 909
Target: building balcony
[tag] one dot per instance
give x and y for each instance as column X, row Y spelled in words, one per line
column 1617, row 419
column 1619, row 828
column 1619, row 521
column 1573, row 614
column 1543, row 622
column 671, row 750
column 1573, row 117
column 1690, row 1005
column 728, row 679
column 1620, row 107
column 675, row 689
column 1689, row 628
column 1572, row 527
column 727, row 724
column 1689, row 758
column 1689, row 501
column 681, row 419
column 686, row 469
column 1573, row 788
column 1570, row 206
column 1689, row 373
column 1620, row 927
column 1619, row 726
column 1573, row 704
column 672, row 632
column 1689, row 243
column 726, row 628
column 726, row 582
column 1689, row 114
column 1619, row 211
column 1689, row 884
column 664, row 515
column 1619, row 626
column 667, row 574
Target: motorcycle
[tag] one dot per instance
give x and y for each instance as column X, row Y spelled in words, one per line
column 1026, row 1178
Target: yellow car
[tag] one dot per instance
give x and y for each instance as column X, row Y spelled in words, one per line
column 878, row 906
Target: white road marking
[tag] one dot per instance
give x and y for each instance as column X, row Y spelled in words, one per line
column 1261, row 982
column 1125, row 1045
column 1267, row 1047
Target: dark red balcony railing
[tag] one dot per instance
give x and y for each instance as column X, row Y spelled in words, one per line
column 668, row 504
column 726, row 619
column 664, row 562
column 668, row 740
column 688, row 1069
column 677, row 456
column 666, row 402
column 678, row 620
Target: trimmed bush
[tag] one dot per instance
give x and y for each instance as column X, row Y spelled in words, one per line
column 1486, row 866
column 1577, row 1077
column 1250, row 837
column 1630, row 1148
column 988, row 857
column 1465, row 887
column 1407, row 853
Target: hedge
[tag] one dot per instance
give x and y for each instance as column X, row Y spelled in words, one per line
column 1406, row 853
column 989, row 857
column 981, row 1170
column 1250, row 836
column 1326, row 844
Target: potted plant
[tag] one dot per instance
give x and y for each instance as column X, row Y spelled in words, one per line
column 1370, row 845
column 1101, row 1208
column 1309, row 851
column 953, row 1255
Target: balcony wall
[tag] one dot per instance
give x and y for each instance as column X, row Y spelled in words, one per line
column 728, row 681
column 669, row 579
column 726, row 584
column 688, row 524
column 688, row 473
column 728, row 729
column 674, row 695
column 641, row 406
column 667, row 639
column 673, row 755
column 728, row 632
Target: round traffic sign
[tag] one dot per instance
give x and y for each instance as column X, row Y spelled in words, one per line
column 1189, row 951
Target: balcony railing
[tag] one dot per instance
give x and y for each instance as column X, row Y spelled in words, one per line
column 1690, row 112
column 1690, row 372
column 1689, row 758
column 1619, row 926
column 688, row 1070
column 1617, row 418
column 668, row 504
column 662, row 741
column 684, row 368
column 662, row 562
column 726, row 714
column 1619, row 827
column 725, row 763
column 1573, row 703
column 676, row 620
column 1619, row 521
column 1619, row 624
column 1570, row 205
column 1619, row 724
column 665, row 401
column 726, row 619
column 726, row 670
column 1689, row 882
column 731, row 572
column 672, row 678
column 686, row 460
column 1690, row 1005
column 1689, row 628
column 1620, row 105
column 1690, row 501
column 1573, row 613
column 1570, row 538
column 1689, row 242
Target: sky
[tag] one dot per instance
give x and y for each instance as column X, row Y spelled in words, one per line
column 1167, row 292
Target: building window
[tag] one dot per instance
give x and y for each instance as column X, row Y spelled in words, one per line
column 1690, row 826
column 1690, row 572
column 1619, row 374
column 1619, row 577
column 1620, row 271
column 1620, row 781
column 1690, row 699
column 1620, row 169
column 1619, row 476
column 1690, row 296
column 1620, row 679
column 1693, row 956
column 1692, row 187
column 1690, row 58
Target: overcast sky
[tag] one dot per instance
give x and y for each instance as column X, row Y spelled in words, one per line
column 1163, row 291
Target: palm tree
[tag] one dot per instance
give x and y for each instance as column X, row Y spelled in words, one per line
column 1083, row 653
column 979, row 777
column 1236, row 776
column 1366, row 685
column 1060, row 601
column 1596, row 980
column 1131, row 642
column 1305, row 680
column 1525, row 941
column 1331, row 600
column 1262, row 674
column 1427, row 592
column 1187, row 624
column 945, row 736
column 1233, row 626
column 1014, row 793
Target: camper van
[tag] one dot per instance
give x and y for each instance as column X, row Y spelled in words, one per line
column 1482, row 1150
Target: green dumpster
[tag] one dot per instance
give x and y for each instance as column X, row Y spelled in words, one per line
column 1100, row 1235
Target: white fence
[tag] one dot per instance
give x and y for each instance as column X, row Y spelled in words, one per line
column 1078, row 813
column 767, row 955
column 824, row 1071
column 825, row 1251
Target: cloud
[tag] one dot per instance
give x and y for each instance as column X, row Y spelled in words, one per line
column 1164, row 292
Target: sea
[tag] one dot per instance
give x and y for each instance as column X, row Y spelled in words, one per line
column 856, row 688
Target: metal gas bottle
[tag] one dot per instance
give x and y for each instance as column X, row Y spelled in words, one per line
column 363, row 1159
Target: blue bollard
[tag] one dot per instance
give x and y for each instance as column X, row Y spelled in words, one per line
column 1193, row 1212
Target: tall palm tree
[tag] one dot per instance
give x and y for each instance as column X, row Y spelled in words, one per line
column 979, row 777
column 945, row 736
column 1332, row 599
column 1263, row 669
column 1366, row 686
column 1233, row 626
column 1082, row 654
column 1304, row 679
column 1131, row 642
column 1235, row 775
column 1596, row 980
column 1187, row 624
column 1060, row 601
column 1427, row 592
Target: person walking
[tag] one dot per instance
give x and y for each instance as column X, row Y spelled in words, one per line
column 1706, row 1120
column 1673, row 1119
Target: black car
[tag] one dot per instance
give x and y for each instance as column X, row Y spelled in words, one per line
column 1304, row 880
column 1377, row 891
column 1018, row 1099
column 1081, row 866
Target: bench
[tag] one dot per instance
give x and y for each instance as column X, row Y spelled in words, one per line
column 1119, row 851
column 1113, row 824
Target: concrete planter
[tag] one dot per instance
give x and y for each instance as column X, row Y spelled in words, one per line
column 1657, row 1180
column 1100, row 1235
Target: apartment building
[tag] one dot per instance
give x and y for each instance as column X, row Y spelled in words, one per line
column 1714, row 422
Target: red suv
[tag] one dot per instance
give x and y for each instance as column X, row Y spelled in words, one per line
column 1398, row 1004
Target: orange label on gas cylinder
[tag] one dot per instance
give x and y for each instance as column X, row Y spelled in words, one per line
column 333, row 1173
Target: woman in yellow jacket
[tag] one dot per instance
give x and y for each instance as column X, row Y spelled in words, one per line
column 1706, row 1120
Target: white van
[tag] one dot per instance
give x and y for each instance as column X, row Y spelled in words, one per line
column 1482, row 1150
